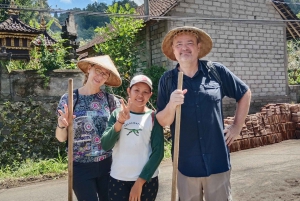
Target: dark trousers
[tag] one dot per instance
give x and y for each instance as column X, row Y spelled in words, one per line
column 90, row 182
column 120, row 190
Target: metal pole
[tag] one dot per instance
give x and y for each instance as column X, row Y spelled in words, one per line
column 146, row 9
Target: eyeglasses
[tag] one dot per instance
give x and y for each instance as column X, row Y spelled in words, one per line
column 100, row 72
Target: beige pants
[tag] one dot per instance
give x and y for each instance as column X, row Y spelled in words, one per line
column 216, row 187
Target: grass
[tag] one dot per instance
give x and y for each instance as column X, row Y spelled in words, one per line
column 31, row 168
column 57, row 166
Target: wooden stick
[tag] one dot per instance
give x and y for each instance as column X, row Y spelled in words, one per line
column 176, row 142
column 70, row 140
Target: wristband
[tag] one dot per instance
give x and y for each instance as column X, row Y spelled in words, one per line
column 60, row 127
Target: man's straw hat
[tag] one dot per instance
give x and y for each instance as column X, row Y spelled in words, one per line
column 203, row 37
column 114, row 80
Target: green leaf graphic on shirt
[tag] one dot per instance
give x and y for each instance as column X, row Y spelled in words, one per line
column 135, row 131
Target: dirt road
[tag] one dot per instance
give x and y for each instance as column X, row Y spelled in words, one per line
column 269, row 173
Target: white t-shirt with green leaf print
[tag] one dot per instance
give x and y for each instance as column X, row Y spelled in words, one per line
column 137, row 149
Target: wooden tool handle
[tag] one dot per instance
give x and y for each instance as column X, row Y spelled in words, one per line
column 70, row 140
column 176, row 142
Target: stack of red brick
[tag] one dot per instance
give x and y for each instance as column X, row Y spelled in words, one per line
column 273, row 124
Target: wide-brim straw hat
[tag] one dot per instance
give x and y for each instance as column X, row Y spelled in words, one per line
column 204, row 38
column 114, row 80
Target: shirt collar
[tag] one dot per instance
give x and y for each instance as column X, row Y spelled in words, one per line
column 200, row 68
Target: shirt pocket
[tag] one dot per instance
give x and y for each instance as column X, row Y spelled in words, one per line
column 212, row 91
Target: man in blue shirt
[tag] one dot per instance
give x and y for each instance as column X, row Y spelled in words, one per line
column 203, row 164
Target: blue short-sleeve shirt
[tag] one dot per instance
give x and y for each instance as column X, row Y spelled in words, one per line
column 202, row 150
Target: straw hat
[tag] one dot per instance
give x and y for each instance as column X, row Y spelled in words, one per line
column 114, row 80
column 204, row 38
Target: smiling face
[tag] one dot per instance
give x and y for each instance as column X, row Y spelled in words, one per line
column 139, row 94
column 97, row 75
column 186, row 47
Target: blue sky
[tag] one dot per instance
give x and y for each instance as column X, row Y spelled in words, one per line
column 68, row 4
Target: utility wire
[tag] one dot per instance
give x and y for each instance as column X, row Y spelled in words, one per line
column 151, row 17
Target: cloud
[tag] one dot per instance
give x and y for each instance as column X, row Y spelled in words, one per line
column 66, row 1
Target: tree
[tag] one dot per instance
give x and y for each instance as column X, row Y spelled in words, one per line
column 294, row 6
column 122, row 43
column 132, row 4
column 3, row 14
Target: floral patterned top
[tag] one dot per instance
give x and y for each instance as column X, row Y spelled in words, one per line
column 92, row 113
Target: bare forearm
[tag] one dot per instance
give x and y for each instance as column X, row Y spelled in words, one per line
column 61, row 134
column 242, row 109
column 166, row 116
column 118, row 126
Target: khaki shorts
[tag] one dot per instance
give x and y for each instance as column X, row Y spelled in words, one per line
column 216, row 187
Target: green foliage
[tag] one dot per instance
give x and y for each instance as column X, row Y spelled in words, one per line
column 293, row 49
column 31, row 168
column 122, row 43
column 44, row 59
column 27, row 15
column 27, row 131
column 154, row 73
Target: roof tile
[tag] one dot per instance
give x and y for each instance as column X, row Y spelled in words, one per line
column 16, row 25
column 158, row 7
column 293, row 27
column 48, row 39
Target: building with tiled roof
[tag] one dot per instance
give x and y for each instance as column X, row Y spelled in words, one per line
column 16, row 36
column 248, row 37
column 19, row 37
column 49, row 41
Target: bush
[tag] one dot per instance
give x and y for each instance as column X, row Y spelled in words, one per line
column 293, row 49
column 27, row 131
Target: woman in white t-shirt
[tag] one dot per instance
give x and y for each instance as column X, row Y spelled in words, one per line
column 138, row 145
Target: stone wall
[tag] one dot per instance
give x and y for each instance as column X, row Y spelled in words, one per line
column 21, row 85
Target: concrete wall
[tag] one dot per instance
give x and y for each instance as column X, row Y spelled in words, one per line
column 294, row 93
column 20, row 85
column 253, row 51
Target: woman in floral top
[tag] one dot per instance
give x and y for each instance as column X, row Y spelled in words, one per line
column 91, row 164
